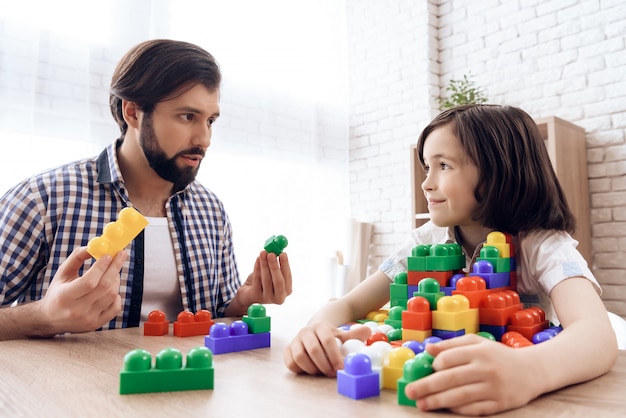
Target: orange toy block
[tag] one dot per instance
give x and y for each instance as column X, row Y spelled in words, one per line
column 453, row 314
column 528, row 322
column 498, row 308
column 157, row 324
column 414, row 335
column 189, row 325
column 443, row 277
column 418, row 315
column 117, row 234
column 515, row 340
column 474, row 288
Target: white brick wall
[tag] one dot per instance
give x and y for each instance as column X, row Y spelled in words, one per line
column 562, row 58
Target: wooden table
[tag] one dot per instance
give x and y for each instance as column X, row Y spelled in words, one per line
column 78, row 375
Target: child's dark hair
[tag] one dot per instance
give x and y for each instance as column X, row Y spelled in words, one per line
column 517, row 187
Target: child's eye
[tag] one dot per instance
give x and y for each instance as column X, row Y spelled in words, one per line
column 444, row 166
column 426, row 169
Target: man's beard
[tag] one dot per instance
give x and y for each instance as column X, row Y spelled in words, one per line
column 166, row 167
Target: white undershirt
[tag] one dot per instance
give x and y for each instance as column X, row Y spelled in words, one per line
column 161, row 289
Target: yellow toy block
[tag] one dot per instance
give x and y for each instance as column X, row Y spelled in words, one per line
column 394, row 365
column 498, row 240
column 415, row 334
column 117, row 234
column 453, row 314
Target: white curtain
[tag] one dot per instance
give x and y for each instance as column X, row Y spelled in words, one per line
column 279, row 154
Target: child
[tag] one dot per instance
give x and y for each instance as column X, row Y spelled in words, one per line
column 487, row 169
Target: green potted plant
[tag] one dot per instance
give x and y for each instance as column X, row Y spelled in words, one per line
column 462, row 92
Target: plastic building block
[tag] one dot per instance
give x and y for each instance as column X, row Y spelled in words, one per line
column 429, row 289
column 188, row 325
column 414, row 369
column 528, row 322
column 415, row 346
column 516, row 340
column 498, row 308
column 502, row 242
column 257, row 319
column 496, row 331
column 357, row 380
column 474, row 288
column 394, row 362
column 168, row 374
column 117, row 234
column 228, row 339
column 494, row 280
column 492, row 254
column 395, row 317
column 453, row 314
column 376, row 336
column 443, row 277
column 276, row 244
column 546, row 334
column 416, row 334
column 418, row 315
column 157, row 324
column 437, row 257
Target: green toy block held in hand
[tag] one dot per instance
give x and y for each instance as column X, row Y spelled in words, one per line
column 276, row 244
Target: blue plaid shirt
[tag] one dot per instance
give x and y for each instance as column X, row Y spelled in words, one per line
column 43, row 218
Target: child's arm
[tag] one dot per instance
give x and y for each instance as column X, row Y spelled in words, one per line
column 314, row 350
column 477, row 376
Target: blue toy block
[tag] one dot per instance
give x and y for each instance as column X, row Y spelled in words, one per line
column 168, row 374
column 496, row 330
column 492, row 254
column 446, row 335
column 357, row 380
column 228, row 339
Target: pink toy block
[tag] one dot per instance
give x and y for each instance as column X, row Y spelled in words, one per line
column 157, row 324
column 188, row 325
column 227, row 339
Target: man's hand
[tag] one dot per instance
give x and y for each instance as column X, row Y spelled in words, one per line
column 81, row 304
column 269, row 282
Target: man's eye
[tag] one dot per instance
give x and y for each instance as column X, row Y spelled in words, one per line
column 188, row 116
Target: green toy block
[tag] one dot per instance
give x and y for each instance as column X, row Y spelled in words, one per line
column 401, row 278
column 436, row 257
column 275, row 244
column 492, row 254
column 398, row 291
column 401, row 302
column 395, row 317
column 168, row 374
column 430, row 289
column 414, row 369
column 257, row 320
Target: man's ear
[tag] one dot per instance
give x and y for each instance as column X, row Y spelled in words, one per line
column 130, row 111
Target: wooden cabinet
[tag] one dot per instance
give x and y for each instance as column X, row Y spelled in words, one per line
column 567, row 150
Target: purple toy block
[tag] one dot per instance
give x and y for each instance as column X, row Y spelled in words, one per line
column 493, row 280
column 446, row 335
column 228, row 339
column 356, row 380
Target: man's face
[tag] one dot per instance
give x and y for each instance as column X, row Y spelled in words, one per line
column 176, row 135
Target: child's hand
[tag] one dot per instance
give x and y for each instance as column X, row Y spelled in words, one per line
column 476, row 376
column 315, row 349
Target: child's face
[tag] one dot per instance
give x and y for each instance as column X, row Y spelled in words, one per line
column 450, row 181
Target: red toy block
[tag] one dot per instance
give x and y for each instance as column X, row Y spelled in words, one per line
column 157, row 324
column 498, row 308
column 418, row 315
column 528, row 322
column 189, row 325
column 443, row 277
column 516, row 340
column 474, row 288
